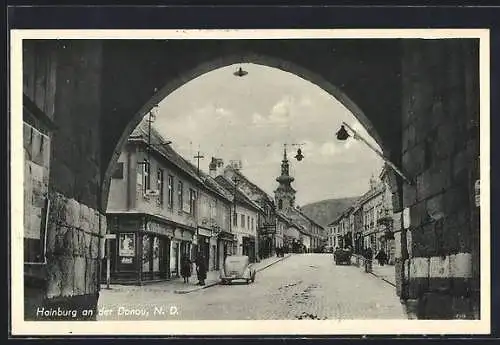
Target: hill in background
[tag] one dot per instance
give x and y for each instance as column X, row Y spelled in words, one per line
column 326, row 211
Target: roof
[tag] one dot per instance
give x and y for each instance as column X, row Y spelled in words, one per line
column 158, row 143
column 261, row 191
column 238, row 194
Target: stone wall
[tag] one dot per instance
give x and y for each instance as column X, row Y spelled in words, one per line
column 69, row 278
column 440, row 152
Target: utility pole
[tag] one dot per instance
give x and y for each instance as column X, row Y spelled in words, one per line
column 198, row 157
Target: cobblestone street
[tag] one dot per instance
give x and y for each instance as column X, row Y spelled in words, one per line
column 307, row 286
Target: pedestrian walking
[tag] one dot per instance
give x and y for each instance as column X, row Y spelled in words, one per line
column 186, row 269
column 381, row 257
column 368, row 259
column 201, row 269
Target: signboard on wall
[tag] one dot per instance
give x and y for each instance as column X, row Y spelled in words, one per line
column 127, row 245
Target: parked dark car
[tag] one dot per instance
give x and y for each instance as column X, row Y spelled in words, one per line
column 342, row 256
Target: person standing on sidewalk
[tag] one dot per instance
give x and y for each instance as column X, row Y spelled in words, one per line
column 381, row 257
column 201, row 270
column 186, row 269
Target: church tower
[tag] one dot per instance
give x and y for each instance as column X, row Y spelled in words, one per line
column 284, row 195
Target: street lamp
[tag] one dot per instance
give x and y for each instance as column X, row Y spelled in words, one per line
column 343, row 135
column 240, row 72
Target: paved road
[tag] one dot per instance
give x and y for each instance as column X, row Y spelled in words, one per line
column 307, row 286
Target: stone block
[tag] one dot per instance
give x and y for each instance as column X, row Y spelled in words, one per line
column 88, row 274
column 439, row 274
column 444, row 143
column 54, row 277
column 434, row 180
column 88, row 245
column 80, row 243
column 418, row 214
column 417, row 287
column 68, row 242
column 57, row 213
column 424, row 241
column 72, row 213
column 464, row 236
column 103, row 224
column 51, row 238
column 95, row 224
column 435, row 306
column 414, row 159
column 418, row 267
column 67, row 264
column 84, row 217
column 409, row 137
column 435, row 207
column 92, row 284
column 94, row 247
column 461, row 308
column 457, row 199
column 409, row 195
column 79, row 275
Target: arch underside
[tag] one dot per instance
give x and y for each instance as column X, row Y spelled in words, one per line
column 139, row 74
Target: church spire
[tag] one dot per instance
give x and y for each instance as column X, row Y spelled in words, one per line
column 284, row 194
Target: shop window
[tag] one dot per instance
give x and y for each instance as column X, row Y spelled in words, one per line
column 146, row 253
column 126, row 249
column 36, row 202
column 118, row 172
column 156, row 254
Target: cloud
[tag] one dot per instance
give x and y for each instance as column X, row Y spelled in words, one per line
column 305, row 102
column 328, row 149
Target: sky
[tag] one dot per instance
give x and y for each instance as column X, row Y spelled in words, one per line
column 250, row 119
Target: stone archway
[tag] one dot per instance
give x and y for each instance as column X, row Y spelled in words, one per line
column 253, row 58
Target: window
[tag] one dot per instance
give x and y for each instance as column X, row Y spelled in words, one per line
column 192, row 201
column 242, row 220
column 180, row 189
column 248, row 223
column 252, row 224
column 170, row 191
column 118, row 173
column 160, row 183
column 146, row 177
column 235, row 219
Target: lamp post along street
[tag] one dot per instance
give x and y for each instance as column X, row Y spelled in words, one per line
column 380, row 154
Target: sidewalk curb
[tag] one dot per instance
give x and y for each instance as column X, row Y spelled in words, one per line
column 274, row 262
column 217, row 282
column 382, row 278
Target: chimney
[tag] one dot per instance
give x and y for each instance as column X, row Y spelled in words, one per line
column 215, row 167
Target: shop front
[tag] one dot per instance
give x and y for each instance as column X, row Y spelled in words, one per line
column 248, row 243
column 225, row 241
column 145, row 248
column 181, row 247
column 203, row 245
